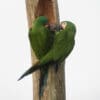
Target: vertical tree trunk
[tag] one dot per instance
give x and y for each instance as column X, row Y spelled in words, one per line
column 55, row 89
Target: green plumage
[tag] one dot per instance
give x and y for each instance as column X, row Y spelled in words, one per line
column 39, row 35
column 41, row 40
column 62, row 46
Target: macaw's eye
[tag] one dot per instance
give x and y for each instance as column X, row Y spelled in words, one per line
column 64, row 23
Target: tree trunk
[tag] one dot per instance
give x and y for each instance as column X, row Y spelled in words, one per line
column 55, row 89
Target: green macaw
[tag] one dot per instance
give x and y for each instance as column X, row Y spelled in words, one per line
column 63, row 44
column 39, row 34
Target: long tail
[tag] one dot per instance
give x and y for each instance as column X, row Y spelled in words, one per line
column 43, row 80
column 29, row 71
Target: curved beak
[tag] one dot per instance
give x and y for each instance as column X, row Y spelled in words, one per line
column 54, row 27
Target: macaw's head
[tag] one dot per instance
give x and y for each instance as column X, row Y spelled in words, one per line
column 42, row 20
column 67, row 25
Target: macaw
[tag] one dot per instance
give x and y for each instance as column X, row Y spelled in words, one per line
column 41, row 40
column 39, row 34
column 63, row 44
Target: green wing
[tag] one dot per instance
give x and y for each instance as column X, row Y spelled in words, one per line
column 41, row 40
column 62, row 46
